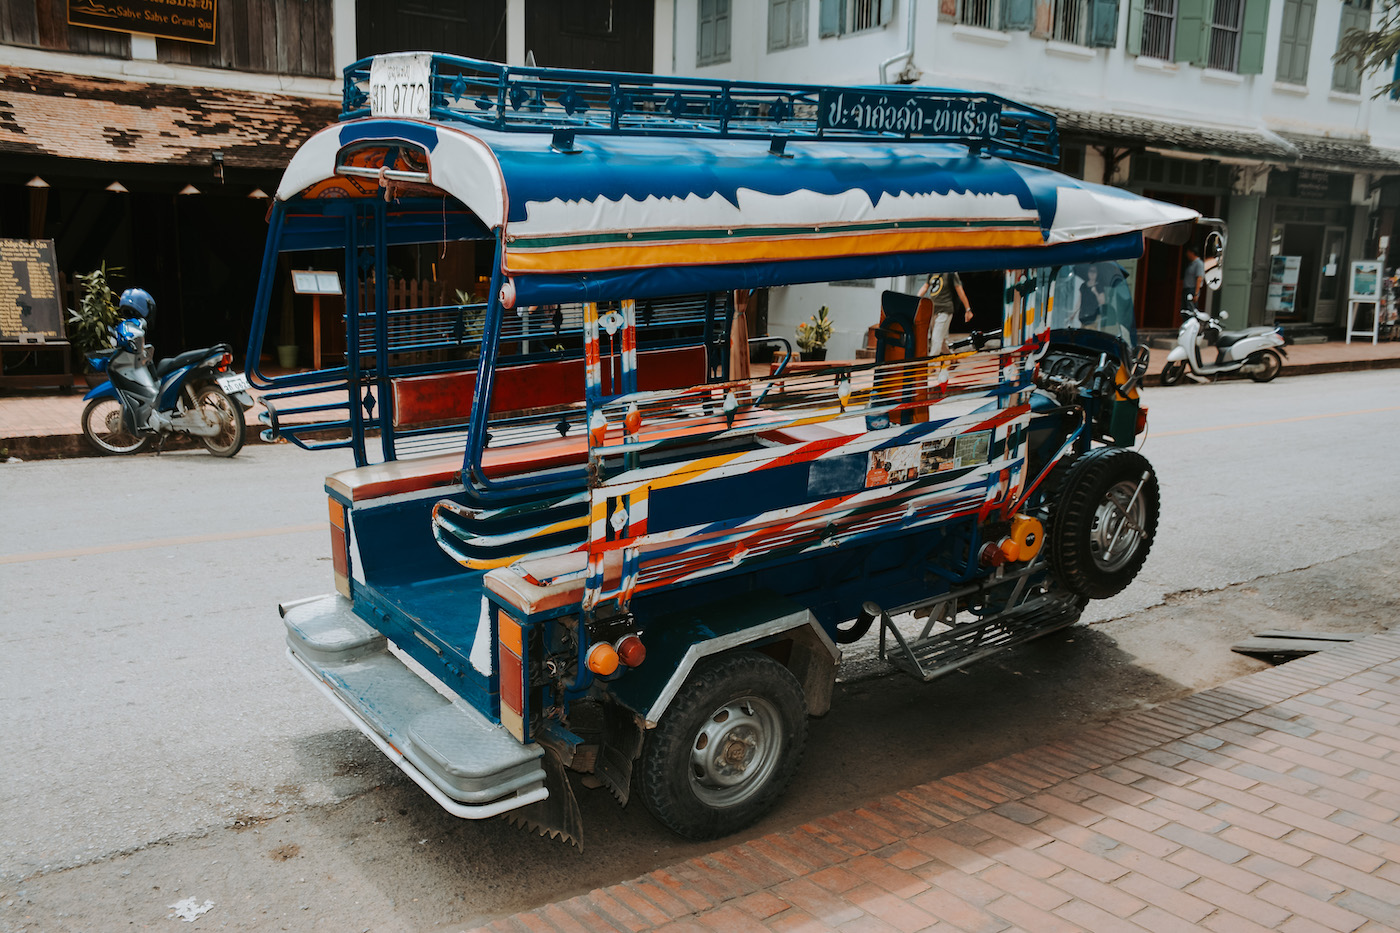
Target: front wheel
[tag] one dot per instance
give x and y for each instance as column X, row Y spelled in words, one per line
column 217, row 407
column 726, row 748
column 1264, row 365
column 1103, row 522
column 1173, row 371
column 105, row 430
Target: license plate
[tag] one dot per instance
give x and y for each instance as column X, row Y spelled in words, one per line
column 399, row 85
column 234, row 382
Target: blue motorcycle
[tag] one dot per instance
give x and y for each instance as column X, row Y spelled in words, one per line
column 193, row 393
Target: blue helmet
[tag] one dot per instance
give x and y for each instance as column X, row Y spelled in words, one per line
column 139, row 303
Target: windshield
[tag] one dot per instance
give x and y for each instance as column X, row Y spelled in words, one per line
column 1095, row 296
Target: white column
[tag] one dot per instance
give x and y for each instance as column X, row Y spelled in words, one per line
column 343, row 35
column 515, row 32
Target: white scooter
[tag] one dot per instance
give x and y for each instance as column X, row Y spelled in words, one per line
column 1254, row 351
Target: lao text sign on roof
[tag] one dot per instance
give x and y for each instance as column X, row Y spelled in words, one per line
column 186, row 20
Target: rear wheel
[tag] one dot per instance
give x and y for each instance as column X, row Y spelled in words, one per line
column 1264, row 365
column 1173, row 371
column 1103, row 522
column 726, row 748
column 217, row 407
column 104, row 429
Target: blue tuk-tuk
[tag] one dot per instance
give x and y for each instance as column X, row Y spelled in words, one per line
column 582, row 532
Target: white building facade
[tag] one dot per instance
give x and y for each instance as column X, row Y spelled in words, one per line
column 1232, row 107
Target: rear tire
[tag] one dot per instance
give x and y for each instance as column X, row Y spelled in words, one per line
column 219, row 407
column 1173, row 372
column 726, row 747
column 105, row 430
column 1101, row 526
column 1270, row 362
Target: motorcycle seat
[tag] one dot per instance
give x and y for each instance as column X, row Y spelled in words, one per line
column 167, row 366
column 1228, row 340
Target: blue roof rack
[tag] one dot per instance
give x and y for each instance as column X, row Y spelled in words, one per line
column 567, row 102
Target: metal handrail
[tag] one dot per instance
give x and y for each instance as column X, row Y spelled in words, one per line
column 565, row 102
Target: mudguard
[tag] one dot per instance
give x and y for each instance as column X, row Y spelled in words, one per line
column 1178, row 353
column 105, row 390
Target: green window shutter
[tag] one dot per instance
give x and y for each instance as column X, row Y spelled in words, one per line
column 1134, row 27
column 1253, row 33
column 797, row 22
column 833, row 17
column 1017, row 14
column 1103, row 23
column 777, row 24
column 1346, row 76
column 1193, row 18
column 1295, row 40
column 886, row 12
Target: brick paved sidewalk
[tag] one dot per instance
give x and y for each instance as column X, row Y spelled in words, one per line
column 1269, row 803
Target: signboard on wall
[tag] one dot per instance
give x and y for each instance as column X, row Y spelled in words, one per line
column 1282, row 296
column 185, row 20
column 31, row 309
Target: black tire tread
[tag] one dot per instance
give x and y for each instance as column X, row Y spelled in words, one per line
column 1084, row 485
column 664, row 789
column 1173, row 372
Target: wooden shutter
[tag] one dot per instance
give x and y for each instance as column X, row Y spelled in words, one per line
column 833, row 17
column 797, row 22
column 1253, row 32
column 777, row 25
column 1295, row 40
column 1103, row 23
column 1135, row 25
column 1017, row 14
column 1193, row 18
column 886, row 11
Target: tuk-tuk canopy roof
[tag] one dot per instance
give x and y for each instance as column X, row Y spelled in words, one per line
column 621, row 215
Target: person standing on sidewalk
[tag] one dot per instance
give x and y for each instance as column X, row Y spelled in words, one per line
column 940, row 286
column 1194, row 276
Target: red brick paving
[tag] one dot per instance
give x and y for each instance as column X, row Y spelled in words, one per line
column 1269, row 803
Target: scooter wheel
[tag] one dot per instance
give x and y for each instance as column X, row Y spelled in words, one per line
column 104, row 429
column 216, row 403
column 1173, row 372
column 1268, row 364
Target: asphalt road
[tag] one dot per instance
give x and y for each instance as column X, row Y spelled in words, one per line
column 157, row 746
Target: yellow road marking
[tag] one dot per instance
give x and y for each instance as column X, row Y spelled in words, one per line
column 159, row 543
column 1265, row 424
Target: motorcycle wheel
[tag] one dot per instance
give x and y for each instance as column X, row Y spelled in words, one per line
column 229, row 414
column 103, row 427
column 1270, row 363
column 1173, row 372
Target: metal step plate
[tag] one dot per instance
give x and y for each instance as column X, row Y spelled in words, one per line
column 465, row 756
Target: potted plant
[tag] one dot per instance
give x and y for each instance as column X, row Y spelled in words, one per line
column 90, row 324
column 813, row 335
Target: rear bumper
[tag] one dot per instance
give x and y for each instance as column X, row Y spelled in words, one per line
column 471, row 766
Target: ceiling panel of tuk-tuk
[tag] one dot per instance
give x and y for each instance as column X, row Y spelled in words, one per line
column 638, row 212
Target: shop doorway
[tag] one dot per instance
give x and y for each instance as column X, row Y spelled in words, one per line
column 1307, row 269
column 1157, row 283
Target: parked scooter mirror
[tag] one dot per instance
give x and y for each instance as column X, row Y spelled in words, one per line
column 1213, row 256
column 1224, row 315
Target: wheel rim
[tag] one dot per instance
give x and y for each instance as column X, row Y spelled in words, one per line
column 735, row 751
column 1172, row 372
column 104, row 423
column 1271, row 366
column 215, row 407
column 1118, row 529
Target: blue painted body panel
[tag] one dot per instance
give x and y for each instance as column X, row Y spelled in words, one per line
column 105, row 390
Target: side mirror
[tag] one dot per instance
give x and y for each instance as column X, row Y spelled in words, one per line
column 1224, row 315
column 1213, row 257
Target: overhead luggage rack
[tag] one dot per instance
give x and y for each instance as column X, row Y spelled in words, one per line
column 565, row 103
